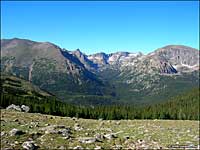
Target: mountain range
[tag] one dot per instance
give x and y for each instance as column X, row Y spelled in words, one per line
column 101, row 78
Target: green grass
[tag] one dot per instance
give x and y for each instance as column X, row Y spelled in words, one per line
column 162, row 133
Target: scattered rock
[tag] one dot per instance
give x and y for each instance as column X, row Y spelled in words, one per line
column 87, row 140
column 29, row 145
column 51, row 131
column 100, row 119
column 101, row 124
column 65, row 132
column 78, row 147
column 99, row 137
column 16, row 120
column 14, row 107
column 77, row 127
column 117, row 147
column 61, row 147
column 25, row 108
column 140, row 141
column 110, row 136
column 57, row 129
column 34, row 124
column 117, row 123
column 98, row 148
column 2, row 133
column 74, row 118
column 15, row 132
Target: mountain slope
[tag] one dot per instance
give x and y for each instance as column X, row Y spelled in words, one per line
column 18, row 87
column 154, row 77
column 49, row 67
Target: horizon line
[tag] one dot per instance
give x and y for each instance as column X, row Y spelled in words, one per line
column 117, row 51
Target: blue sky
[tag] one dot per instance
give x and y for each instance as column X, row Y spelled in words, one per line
column 103, row 26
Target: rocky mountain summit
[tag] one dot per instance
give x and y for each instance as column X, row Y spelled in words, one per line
column 169, row 59
column 68, row 73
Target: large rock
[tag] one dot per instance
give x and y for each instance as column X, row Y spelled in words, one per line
column 87, row 140
column 65, row 132
column 99, row 137
column 25, row 108
column 97, row 148
column 77, row 127
column 110, row 136
column 29, row 145
column 57, row 129
column 15, row 132
column 14, row 107
column 78, row 147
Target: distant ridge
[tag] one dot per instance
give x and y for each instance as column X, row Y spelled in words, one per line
column 121, row 77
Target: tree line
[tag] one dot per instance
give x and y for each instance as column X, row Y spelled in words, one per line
column 182, row 107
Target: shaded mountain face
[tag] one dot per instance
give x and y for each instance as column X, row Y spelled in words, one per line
column 101, row 59
column 121, row 76
column 84, row 60
column 49, row 67
column 17, row 86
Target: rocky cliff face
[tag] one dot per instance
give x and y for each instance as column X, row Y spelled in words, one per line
column 84, row 59
column 101, row 59
column 182, row 58
column 170, row 59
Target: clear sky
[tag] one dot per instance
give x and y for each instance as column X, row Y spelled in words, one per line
column 103, row 26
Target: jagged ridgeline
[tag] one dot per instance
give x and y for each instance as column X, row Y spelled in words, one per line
column 120, row 77
column 20, row 92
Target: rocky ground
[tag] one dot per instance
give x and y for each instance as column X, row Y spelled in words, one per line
column 21, row 130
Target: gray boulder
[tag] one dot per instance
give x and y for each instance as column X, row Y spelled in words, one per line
column 15, row 132
column 97, row 148
column 87, row 140
column 99, row 137
column 25, row 108
column 77, row 127
column 57, row 129
column 29, row 145
column 65, row 132
column 14, row 107
column 78, row 147
column 110, row 136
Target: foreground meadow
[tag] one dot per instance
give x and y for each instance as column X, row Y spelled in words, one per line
column 37, row 131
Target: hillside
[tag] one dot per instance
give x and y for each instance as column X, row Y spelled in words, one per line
column 20, row 87
column 20, row 92
column 49, row 67
column 20, row 130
